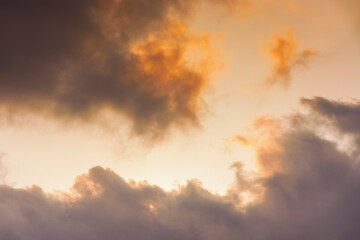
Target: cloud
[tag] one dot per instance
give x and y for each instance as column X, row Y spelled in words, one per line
column 285, row 57
column 313, row 196
column 71, row 60
column 346, row 116
column 107, row 207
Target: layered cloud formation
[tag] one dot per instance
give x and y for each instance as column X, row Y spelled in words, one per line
column 285, row 57
column 312, row 194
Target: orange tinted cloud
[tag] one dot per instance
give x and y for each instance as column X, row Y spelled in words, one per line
column 163, row 69
column 266, row 130
column 285, row 57
column 129, row 56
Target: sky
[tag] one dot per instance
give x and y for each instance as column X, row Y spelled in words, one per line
column 179, row 119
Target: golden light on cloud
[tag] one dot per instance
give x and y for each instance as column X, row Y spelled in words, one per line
column 170, row 74
column 263, row 139
column 115, row 112
column 285, row 57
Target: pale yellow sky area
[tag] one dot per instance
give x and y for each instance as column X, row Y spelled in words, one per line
column 50, row 155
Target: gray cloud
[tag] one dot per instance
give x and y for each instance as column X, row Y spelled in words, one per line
column 72, row 59
column 346, row 116
column 314, row 195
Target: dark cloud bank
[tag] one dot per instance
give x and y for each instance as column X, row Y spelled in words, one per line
column 71, row 59
column 315, row 195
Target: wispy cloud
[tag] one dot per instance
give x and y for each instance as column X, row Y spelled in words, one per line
column 285, row 57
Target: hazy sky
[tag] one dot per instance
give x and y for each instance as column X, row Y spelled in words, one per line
column 244, row 114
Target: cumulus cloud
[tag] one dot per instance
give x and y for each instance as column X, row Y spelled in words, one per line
column 346, row 116
column 314, row 195
column 73, row 59
column 285, row 57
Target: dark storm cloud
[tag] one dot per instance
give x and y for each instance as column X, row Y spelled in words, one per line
column 74, row 58
column 314, row 195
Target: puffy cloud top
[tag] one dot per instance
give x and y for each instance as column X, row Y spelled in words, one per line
column 313, row 195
